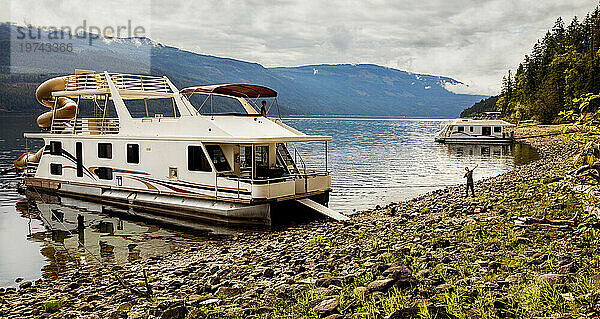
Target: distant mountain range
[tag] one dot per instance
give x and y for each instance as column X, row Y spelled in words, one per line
column 343, row 89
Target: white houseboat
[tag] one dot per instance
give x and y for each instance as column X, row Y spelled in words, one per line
column 475, row 131
column 233, row 168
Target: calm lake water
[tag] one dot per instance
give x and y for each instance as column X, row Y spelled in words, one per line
column 378, row 161
column 373, row 162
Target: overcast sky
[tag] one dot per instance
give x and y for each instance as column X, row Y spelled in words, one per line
column 475, row 42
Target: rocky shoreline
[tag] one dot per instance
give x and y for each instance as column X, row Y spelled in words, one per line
column 438, row 255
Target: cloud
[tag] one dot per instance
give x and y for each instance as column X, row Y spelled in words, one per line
column 339, row 37
column 473, row 41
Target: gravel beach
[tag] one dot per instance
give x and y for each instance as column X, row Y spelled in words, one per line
column 439, row 254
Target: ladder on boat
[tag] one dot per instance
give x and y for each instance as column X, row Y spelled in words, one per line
column 283, row 155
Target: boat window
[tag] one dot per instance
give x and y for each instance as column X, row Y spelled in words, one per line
column 197, row 160
column 79, row 158
column 218, row 158
column 56, row 169
column 104, row 150
column 461, row 128
column 486, row 130
column 245, row 158
column 471, row 129
column 262, row 156
column 104, row 173
column 133, row 153
column 497, row 129
column 55, row 148
column 261, row 159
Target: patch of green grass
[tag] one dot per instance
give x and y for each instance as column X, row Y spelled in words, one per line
column 424, row 311
column 317, row 240
column 52, row 305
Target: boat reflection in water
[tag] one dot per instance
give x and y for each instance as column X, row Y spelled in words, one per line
column 520, row 153
column 107, row 235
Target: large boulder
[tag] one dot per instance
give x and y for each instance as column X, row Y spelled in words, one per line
column 327, row 306
column 381, row 285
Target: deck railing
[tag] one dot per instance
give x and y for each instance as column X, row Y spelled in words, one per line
column 87, row 126
column 130, row 82
column 267, row 181
column 31, row 169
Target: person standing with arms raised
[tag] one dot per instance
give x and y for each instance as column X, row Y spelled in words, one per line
column 469, row 177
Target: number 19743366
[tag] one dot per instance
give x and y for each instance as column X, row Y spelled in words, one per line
column 45, row 47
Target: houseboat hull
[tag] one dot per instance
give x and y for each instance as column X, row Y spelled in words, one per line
column 473, row 140
column 57, row 211
column 174, row 207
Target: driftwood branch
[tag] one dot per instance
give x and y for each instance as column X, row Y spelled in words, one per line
column 587, row 170
column 129, row 287
column 591, row 174
column 583, row 168
column 555, row 223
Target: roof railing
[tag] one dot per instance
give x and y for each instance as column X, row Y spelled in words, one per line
column 129, row 82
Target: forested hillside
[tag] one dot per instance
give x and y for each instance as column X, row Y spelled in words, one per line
column 485, row 105
column 562, row 66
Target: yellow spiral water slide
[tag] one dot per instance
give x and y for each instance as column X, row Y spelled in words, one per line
column 62, row 108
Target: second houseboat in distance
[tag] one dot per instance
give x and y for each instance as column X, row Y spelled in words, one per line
column 233, row 168
column 484, row 130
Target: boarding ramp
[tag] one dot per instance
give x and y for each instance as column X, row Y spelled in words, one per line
column 324, row 210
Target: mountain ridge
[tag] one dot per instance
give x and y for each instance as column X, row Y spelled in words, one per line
column 313, row 89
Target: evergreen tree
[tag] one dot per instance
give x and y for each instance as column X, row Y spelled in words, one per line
column 562, row 66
